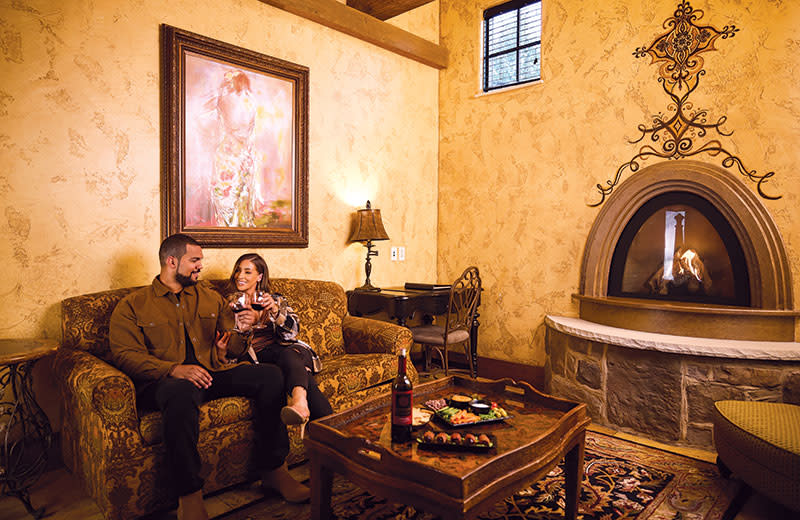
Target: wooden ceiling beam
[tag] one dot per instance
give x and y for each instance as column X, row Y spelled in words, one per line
column 385, row 9
column 335, row 15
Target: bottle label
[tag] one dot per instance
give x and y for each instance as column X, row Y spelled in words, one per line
column 401, row 408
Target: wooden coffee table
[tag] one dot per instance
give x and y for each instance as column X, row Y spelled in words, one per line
column 540, row 431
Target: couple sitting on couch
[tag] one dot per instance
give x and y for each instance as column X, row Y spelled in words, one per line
column 173, row 339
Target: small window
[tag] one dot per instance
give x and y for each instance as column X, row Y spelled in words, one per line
column 512, row 40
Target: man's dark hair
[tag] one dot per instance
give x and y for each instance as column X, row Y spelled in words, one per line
column 174, row 245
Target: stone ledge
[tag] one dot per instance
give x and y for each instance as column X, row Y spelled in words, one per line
column 726, row 348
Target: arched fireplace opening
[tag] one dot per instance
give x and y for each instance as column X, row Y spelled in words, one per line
column 679, row 247
column 756, row 302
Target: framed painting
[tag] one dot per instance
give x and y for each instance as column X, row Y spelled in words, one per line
column 234, row 144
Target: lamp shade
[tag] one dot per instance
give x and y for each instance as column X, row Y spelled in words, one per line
column 368, row 225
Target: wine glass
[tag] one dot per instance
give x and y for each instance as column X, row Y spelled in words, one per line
column 260, row 301
column 238, row 303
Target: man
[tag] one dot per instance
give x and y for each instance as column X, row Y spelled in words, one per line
column 171, row 338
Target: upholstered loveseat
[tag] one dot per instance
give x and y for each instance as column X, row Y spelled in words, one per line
column 116, row 449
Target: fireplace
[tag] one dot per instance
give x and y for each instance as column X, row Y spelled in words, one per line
column 749, row 295
column 679, row 247
column 685, row 298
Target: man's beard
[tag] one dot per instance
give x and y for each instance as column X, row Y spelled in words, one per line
column 185, row 281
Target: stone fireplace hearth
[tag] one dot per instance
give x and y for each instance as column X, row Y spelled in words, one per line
column 661, row 386
column 654, row 366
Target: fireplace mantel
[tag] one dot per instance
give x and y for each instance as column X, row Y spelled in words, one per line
column 697, row 320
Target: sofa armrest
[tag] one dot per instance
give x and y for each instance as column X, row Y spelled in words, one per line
column 365, row 335
column 97, row 388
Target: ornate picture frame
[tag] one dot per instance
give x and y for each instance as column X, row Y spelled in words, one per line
column 234, row 144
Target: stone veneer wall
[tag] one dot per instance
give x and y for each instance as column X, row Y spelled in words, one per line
column 663, row 396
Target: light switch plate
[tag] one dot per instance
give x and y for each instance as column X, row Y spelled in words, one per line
column 394, row 254
column 401, row 253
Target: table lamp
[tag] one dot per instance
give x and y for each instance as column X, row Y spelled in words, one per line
column 368, row 227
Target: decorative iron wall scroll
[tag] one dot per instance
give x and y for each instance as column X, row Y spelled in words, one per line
column 680, row 135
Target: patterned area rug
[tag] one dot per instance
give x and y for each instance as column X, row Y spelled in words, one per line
column 622, row 481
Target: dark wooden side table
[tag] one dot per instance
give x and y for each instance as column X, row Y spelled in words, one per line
column 25, row 430
column 400, row 304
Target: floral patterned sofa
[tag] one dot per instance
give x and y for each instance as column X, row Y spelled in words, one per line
column 116, row 450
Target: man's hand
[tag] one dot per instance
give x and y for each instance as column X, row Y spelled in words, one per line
column 245, row 319
column 194, row 373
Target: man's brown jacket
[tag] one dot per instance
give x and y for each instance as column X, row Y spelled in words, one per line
column 149, row 327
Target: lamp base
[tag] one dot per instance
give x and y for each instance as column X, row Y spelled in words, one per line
column 368, row 287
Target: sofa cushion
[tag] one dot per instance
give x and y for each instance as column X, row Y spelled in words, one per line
column 213, row 414
column 320, row 305
column 349, row 373
column 341, row 375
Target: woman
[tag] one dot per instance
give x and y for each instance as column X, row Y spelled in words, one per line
column 274, row 341
column 235, row 158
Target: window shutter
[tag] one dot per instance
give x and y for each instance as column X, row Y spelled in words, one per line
column 512, row 43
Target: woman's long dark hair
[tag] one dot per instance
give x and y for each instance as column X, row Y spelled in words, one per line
column 261, row 267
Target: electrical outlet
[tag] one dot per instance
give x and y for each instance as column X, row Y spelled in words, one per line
column 401, row 253
column 394, row 254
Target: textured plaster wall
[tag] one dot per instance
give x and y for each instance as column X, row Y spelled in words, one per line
column 517, row 168
column 80, row 147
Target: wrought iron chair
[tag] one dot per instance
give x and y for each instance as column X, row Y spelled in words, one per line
column 461, row 307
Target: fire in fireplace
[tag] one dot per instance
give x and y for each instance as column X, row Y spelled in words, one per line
column 679, row 247
column 683, row 271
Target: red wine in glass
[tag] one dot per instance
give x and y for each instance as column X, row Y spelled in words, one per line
column 259, row 303
column 238, row 303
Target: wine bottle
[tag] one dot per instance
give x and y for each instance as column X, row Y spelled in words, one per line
column 402, row 400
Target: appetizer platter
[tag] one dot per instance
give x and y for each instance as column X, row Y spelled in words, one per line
column 463, row 410
column 420, row 416
column 466, row 441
